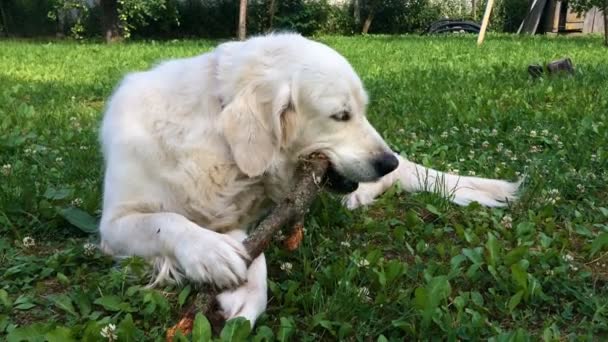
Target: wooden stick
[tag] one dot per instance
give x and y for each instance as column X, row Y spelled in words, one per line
column 291, row 210
column 484, row 22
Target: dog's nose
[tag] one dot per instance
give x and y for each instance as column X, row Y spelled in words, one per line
column 385, row 163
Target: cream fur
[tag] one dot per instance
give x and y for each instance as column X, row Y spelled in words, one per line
column 196, row 149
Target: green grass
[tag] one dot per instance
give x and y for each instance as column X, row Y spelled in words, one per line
column 409, row 267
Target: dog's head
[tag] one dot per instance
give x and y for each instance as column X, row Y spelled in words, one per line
column 302, row 97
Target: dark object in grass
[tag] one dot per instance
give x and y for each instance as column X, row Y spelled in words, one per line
column 560, row 66
column 535, row 70
column 452, row 26
column 290, row 211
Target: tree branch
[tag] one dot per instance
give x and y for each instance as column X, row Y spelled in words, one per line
column 291, row 210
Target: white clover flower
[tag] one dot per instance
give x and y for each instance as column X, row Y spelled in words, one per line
column 109, row 332
column 6, row 169
column 560, row 144
column 401, row 130
column 499, row 147
column 77, row 202
column 514, row 158
column 461, row 159
column 286, row 266
column 580, row 187
column 475, row 130
column 568, row 257
column 444, row 134
column 84, row 148
column 517, row 173
column 362, row 263
column 58, row 160
column 454, row 171
column 494, row 132
column 533, row 134
column 280, row 236
column 28, row 242
column 364, row 294
column 89, row 249
column 413, row 135
column 508, row 153
column 593, row 157
column 485, row 144
column 535, row 149
column 27, row 151
column 544, row 132
column 517, row 129
column 471, row 173
column 345, row 244
column 555, row 137
column 507, row 221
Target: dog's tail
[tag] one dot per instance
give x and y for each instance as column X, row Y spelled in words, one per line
column 459, row 189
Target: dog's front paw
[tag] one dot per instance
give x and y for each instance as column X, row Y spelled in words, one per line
column 360, row 197
column 206, row 256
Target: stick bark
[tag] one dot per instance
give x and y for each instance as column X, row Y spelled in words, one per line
column 290, row 211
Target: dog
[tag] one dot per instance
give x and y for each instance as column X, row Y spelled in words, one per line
column 197, row 149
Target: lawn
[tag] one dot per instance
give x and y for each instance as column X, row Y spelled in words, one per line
column 412, row 266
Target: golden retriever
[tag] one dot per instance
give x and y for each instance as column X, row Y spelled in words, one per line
column 197, row 149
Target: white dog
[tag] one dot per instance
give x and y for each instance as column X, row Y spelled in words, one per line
column 197, row 149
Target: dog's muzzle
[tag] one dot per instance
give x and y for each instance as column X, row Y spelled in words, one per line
column 337, row 183
column 382, row 165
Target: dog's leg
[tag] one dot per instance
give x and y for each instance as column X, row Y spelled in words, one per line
column 250, row 299
column 201, row 254
column 459, row 189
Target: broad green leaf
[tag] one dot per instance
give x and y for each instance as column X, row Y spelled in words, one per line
column 287, row 329
column 57, row 194
column 600, row 242
column 32, row 333
column 474, row 254
column 63, row 302
column 515, row 255
column 493, row 248
column 126, row 330
column 263, row 334
column 112, row 303
column 382, row 338
column 515, row 300
column 80, row 219
column 83, row 303
column 59, row 334
column 4, row 300
column 437, row 290
column 236, row 329
column 201, row 330
column 183, row 295
column 520, row 276
column 25, row 306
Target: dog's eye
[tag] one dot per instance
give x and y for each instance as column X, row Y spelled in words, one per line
column 342, row 116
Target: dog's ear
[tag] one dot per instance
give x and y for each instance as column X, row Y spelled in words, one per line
column 252, row 124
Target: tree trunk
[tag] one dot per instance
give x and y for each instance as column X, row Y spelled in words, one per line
column 605, row 13
column 242, row 32
column 4, row 18
column 109, row 21
column 271, row 12
column 474, row 9
column 357, row 11
column 367, row 23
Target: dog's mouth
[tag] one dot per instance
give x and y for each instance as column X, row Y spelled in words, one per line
column 338, row 183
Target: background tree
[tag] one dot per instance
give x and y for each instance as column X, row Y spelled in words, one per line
column 582, row 6
column 110, row 22
column 242, row 32
column 370, row 7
